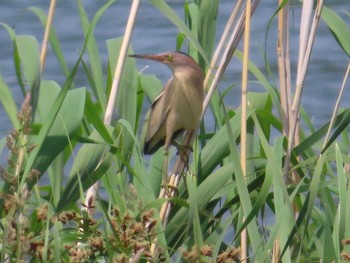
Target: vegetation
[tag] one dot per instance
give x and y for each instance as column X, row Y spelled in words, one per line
column 265, row 189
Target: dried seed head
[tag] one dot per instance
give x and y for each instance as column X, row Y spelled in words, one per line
column 41, row 212
column 33, row 175
column 97, row 243
column 31, row 148
column 231, row 254
column 345, row 256
column 206, row 250
column 25, row 115
column 147, row 215
column 67, row 216
column 346, row 242
column 137, row 228
column 115, row 211
column 127, row 218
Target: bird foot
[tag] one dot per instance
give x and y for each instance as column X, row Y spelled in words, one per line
column 170, row 190
column 182, row 150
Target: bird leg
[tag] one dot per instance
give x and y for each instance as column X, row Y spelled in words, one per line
column 182, row 150
column 167, row 188
column 165, row 170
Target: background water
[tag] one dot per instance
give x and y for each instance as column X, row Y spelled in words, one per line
column 154, row 33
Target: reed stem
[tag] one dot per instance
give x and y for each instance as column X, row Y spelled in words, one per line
column 92, row 191
column 47, row 34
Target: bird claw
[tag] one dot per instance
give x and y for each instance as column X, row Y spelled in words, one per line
column 170, row 190
column 182, row 150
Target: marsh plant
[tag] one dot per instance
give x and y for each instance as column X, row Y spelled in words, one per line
column 262, row 183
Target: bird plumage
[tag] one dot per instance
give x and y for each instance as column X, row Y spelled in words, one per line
column 179, row 106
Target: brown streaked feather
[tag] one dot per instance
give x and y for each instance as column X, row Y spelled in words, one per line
column 156, row 129
column 179, row 106
column 150, row 150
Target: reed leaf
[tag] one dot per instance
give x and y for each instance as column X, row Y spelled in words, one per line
column 174, row 18
column 338, row 27
column 65, row 125
column 28, row 65
column 94, row 56
column 91, row 162
column 8, row 103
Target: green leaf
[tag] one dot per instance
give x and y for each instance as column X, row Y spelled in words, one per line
column 2, row 144
column 90, row 164
column 206, row 192
column 340, row 124
column 9, row 30
column 241, row 187
column 192, row 20
column 208, row 11
column 27, row 49
column 176, row 20
column 8, row 103
column 97, row 83
column 43, row 135
column 343, row 212
column 93, row 115
column 193, row 219
column 151, row 85
column 127, row 92
column 64, row 126
column 54, row 111
column 338, row 27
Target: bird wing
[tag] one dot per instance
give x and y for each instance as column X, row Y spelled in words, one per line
column 156, row 131
column 159, row 110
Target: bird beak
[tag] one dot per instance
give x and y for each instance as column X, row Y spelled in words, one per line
column 148, row 56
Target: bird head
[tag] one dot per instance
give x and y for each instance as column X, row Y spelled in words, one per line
column 173, row 59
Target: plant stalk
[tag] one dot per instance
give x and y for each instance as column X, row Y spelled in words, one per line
column 284, row 65
column 92, row 191
column 244, row 238
column 175, row 176
column 336, row 107
column 294, row 112
column 47, row 34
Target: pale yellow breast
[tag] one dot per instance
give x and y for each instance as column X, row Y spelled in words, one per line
column 188, row 99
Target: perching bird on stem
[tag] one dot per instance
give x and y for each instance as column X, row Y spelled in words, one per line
column 179, row 107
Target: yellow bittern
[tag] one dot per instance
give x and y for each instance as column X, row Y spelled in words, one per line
column 179, row 106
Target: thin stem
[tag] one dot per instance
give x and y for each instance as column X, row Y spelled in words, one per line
column 294, row 113
column 121, row 61
column 175, row 175
column 47, row 34
column 228, row 28
column 336, row 107
column 232, row 44
column 304, row 32
column 244, row 238
column 284, row 65
column 226, row 57
column 92, row 191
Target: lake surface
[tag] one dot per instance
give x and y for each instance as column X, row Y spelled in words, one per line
column 154, row 33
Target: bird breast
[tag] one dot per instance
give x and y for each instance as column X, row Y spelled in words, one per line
column 187, row 99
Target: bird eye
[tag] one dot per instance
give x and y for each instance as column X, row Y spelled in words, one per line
column 170, row 58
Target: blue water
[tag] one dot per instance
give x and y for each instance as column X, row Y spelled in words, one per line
column 154, row 33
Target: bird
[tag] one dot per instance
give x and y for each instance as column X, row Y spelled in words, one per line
column 179, row 106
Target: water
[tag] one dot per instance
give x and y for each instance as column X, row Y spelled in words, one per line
column 154, row 33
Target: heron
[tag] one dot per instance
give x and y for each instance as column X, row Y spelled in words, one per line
column 179, row 106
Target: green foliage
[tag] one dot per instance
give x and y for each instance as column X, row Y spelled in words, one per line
column 60, row 146
column 338, row 27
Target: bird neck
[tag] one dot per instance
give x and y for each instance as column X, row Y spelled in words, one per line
column 189, row 73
